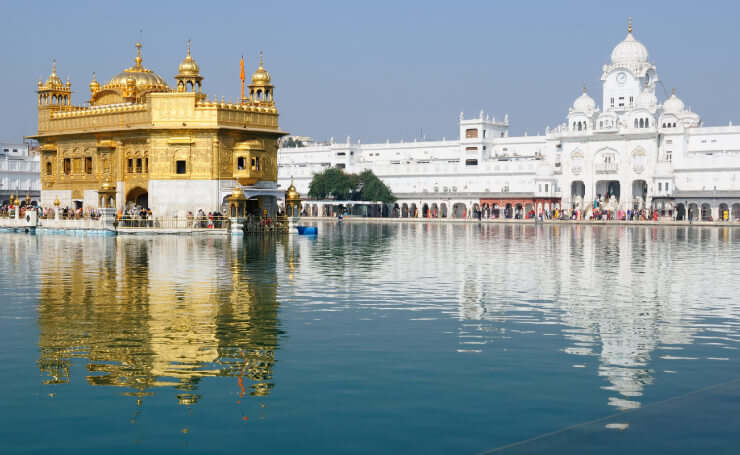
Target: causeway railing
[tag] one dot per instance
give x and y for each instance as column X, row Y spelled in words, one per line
column 126, row 222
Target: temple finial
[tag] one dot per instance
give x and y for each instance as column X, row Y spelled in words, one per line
column 260, row 58
column 584, row 88
column 629, row 27
column 188, row 46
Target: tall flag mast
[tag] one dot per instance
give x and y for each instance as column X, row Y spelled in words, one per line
column 241, row 75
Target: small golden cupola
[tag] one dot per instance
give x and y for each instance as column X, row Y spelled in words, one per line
column 54, row 92
column 94, row 87
column 261, row 89
column 292, row 201
column 188, row 76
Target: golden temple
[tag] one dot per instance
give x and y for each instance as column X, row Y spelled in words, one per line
column 150, row 145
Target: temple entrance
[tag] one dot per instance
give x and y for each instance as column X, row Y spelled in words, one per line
column 639, row 193
column 608, row 192
column 680, row 212
column 577, row 193
column 137, row 197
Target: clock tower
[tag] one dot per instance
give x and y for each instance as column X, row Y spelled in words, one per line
column 628, row 73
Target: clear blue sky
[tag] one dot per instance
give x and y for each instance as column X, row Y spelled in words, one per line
column 377, row 70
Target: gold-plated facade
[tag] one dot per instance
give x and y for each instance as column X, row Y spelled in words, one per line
column 136, row 129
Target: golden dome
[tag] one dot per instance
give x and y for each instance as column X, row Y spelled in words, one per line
column 237, row 192
column 107, row 186
column 54, row 81
column 292, row 193
column 188, row 67
column 144, row 78
column 94, row 86
column 261, row 77
column 56, row 201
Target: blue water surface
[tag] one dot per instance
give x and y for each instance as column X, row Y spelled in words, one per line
column 373, row 338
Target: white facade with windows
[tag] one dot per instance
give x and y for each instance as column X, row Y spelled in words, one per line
column 632, row 153
column 19, row 172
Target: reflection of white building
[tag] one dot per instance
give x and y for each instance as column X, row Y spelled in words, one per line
column 632, row 152
column 19, row 172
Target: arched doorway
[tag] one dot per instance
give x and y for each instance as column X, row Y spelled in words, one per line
column 137, row 197
column 443, row 210
column 577, row 193
column 435, row 210
column 405, row 210
column 639, row 193
column 396, row 211
column 680, row 212
column 508, row 211
column 706, row 212
column 458, row 210
column 722, row 209
column 735, row 212
column 425, row 211
column 413, row 211
column 528, row 210
column 693, row 211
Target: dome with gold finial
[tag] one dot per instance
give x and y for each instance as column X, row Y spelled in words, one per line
column 292, row 194
column 145, row 78
column 94, row 86
column 53, row 81
column 188, row 67
column 261, row 77
column 237, row 192
column 629, row 50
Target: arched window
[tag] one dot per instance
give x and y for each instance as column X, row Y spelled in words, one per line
column 601, row 124
column 48, row 168
column 635, row 123
column 641, row 123
column 580, row 126
column 674, row 124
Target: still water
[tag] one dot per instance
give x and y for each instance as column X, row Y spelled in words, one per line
column 377, row 338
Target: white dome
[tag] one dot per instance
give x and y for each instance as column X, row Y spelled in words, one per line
column 630, row 51
column 673, row 105
column 647, row 99
column 584, row 103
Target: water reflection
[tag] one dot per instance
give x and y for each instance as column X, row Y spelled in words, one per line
column 624, row 295
column 143, row 313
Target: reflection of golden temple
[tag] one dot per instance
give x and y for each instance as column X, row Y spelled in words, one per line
column 170, row 149
column 138, row 321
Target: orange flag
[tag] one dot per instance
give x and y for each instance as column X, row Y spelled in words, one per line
column 241, row 75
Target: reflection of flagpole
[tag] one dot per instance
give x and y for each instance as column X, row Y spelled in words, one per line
column 241, row 75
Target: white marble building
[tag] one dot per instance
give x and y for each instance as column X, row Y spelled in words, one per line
column 19, row 172
column 632, row 152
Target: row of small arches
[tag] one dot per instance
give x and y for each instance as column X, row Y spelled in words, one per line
column 642, row 123
column 60, row 100
column 260, row 95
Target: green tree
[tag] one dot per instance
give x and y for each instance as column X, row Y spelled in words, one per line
column 371, row 188
column 334, row 183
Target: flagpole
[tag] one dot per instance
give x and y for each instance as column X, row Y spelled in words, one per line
column 241, row 63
